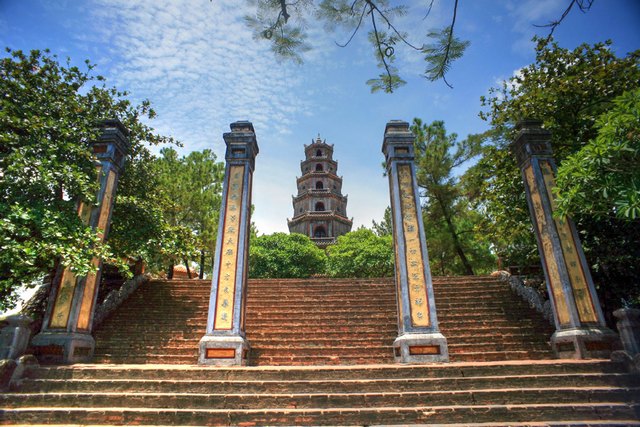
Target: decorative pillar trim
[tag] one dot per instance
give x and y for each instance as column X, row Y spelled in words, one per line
column 66, row 331
column 224, row 342
column 419, row 339
column 581, row 330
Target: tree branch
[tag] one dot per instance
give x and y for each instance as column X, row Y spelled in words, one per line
column 374, row 7
column 378, row 43
column 448, row 47
column 364, row 9
column 583, row 5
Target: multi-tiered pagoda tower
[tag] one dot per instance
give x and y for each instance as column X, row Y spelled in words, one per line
column 320, row 209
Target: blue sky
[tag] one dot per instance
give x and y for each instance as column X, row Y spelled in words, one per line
column 198, row 64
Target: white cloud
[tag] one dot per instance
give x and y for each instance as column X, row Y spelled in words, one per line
column 199, row 64
column 525, row 14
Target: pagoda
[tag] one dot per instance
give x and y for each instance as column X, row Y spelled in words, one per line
column 319, row 208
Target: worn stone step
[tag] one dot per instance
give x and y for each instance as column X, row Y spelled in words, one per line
column 327, row 386
column 324, row 416
column 193, row 400
column 392, row 371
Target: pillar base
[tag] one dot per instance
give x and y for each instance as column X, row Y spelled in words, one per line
column 584, row 343
column 421, row 348
column 63, row 347
column 219, row 350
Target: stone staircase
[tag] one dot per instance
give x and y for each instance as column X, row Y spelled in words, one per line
column 323, row 321
column 496, row 393
column 501, row 371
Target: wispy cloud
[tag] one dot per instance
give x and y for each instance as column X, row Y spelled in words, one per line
column 525, row 14
column 199, row 64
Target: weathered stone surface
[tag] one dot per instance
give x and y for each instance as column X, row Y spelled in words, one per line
column 7, row 366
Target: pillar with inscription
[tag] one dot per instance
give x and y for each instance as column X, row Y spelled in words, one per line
column 581, row 331
column 419, row 339
column 224, row 342
column 66, row 329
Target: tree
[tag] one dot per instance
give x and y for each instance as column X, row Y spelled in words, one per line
column 361, row 253
column 569, row 90
column 190, row 196
column 603, row 177
column 449, row 220
column 48, row 114
column 384, row 227
column 281, row 255
column 283, row 24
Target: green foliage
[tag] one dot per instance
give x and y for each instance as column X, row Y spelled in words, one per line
column 495, row 189
column 281, row 255
column 48, row 115
column 384, row 227
column 567, row 89
column 603, row 177
column 188, row 195
column 361, row 253
column 440, row 54
column 570, row 91
column 288, row 42
column 283, row 24
column 455, row 243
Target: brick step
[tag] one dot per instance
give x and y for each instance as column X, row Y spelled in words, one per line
column 496, row 346
column 545, row 413
column 355, row 297
column 147, row 359
column 386, row 329
column 349, row 337
column 496, row 322
column 333, row 316
column 304, row 323
column 497, row 356
column 287, row 335
column 391, row 372
column 355, row 341
column 321, row 350
column 309, row 361
column 567, row 395
column 157, row 335
column 327, row 386
column 307, row 303
column 143, row 350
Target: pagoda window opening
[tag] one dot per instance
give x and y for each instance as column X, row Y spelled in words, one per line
column 319, row 153
column 319, row 206
column 319, row 185
column 320, row 231
column 319, row 167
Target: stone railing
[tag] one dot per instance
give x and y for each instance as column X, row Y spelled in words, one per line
column 628, row 325
column 530, row 295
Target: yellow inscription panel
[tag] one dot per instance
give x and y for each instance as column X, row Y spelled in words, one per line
column 105, row 208
column 229, row 253
column 577, row 277
column 90, row 282
column 547, row 248
column 62, row 306
column 417, row 283
column 87, row 298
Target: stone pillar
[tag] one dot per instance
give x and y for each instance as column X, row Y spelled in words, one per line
column 419, row 339
column 224, row 342
column 66, row 330
column 581, row 331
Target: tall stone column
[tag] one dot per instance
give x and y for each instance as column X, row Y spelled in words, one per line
column 419, row 339
column 66, row 330
column 581, row 331
column 224, row 342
